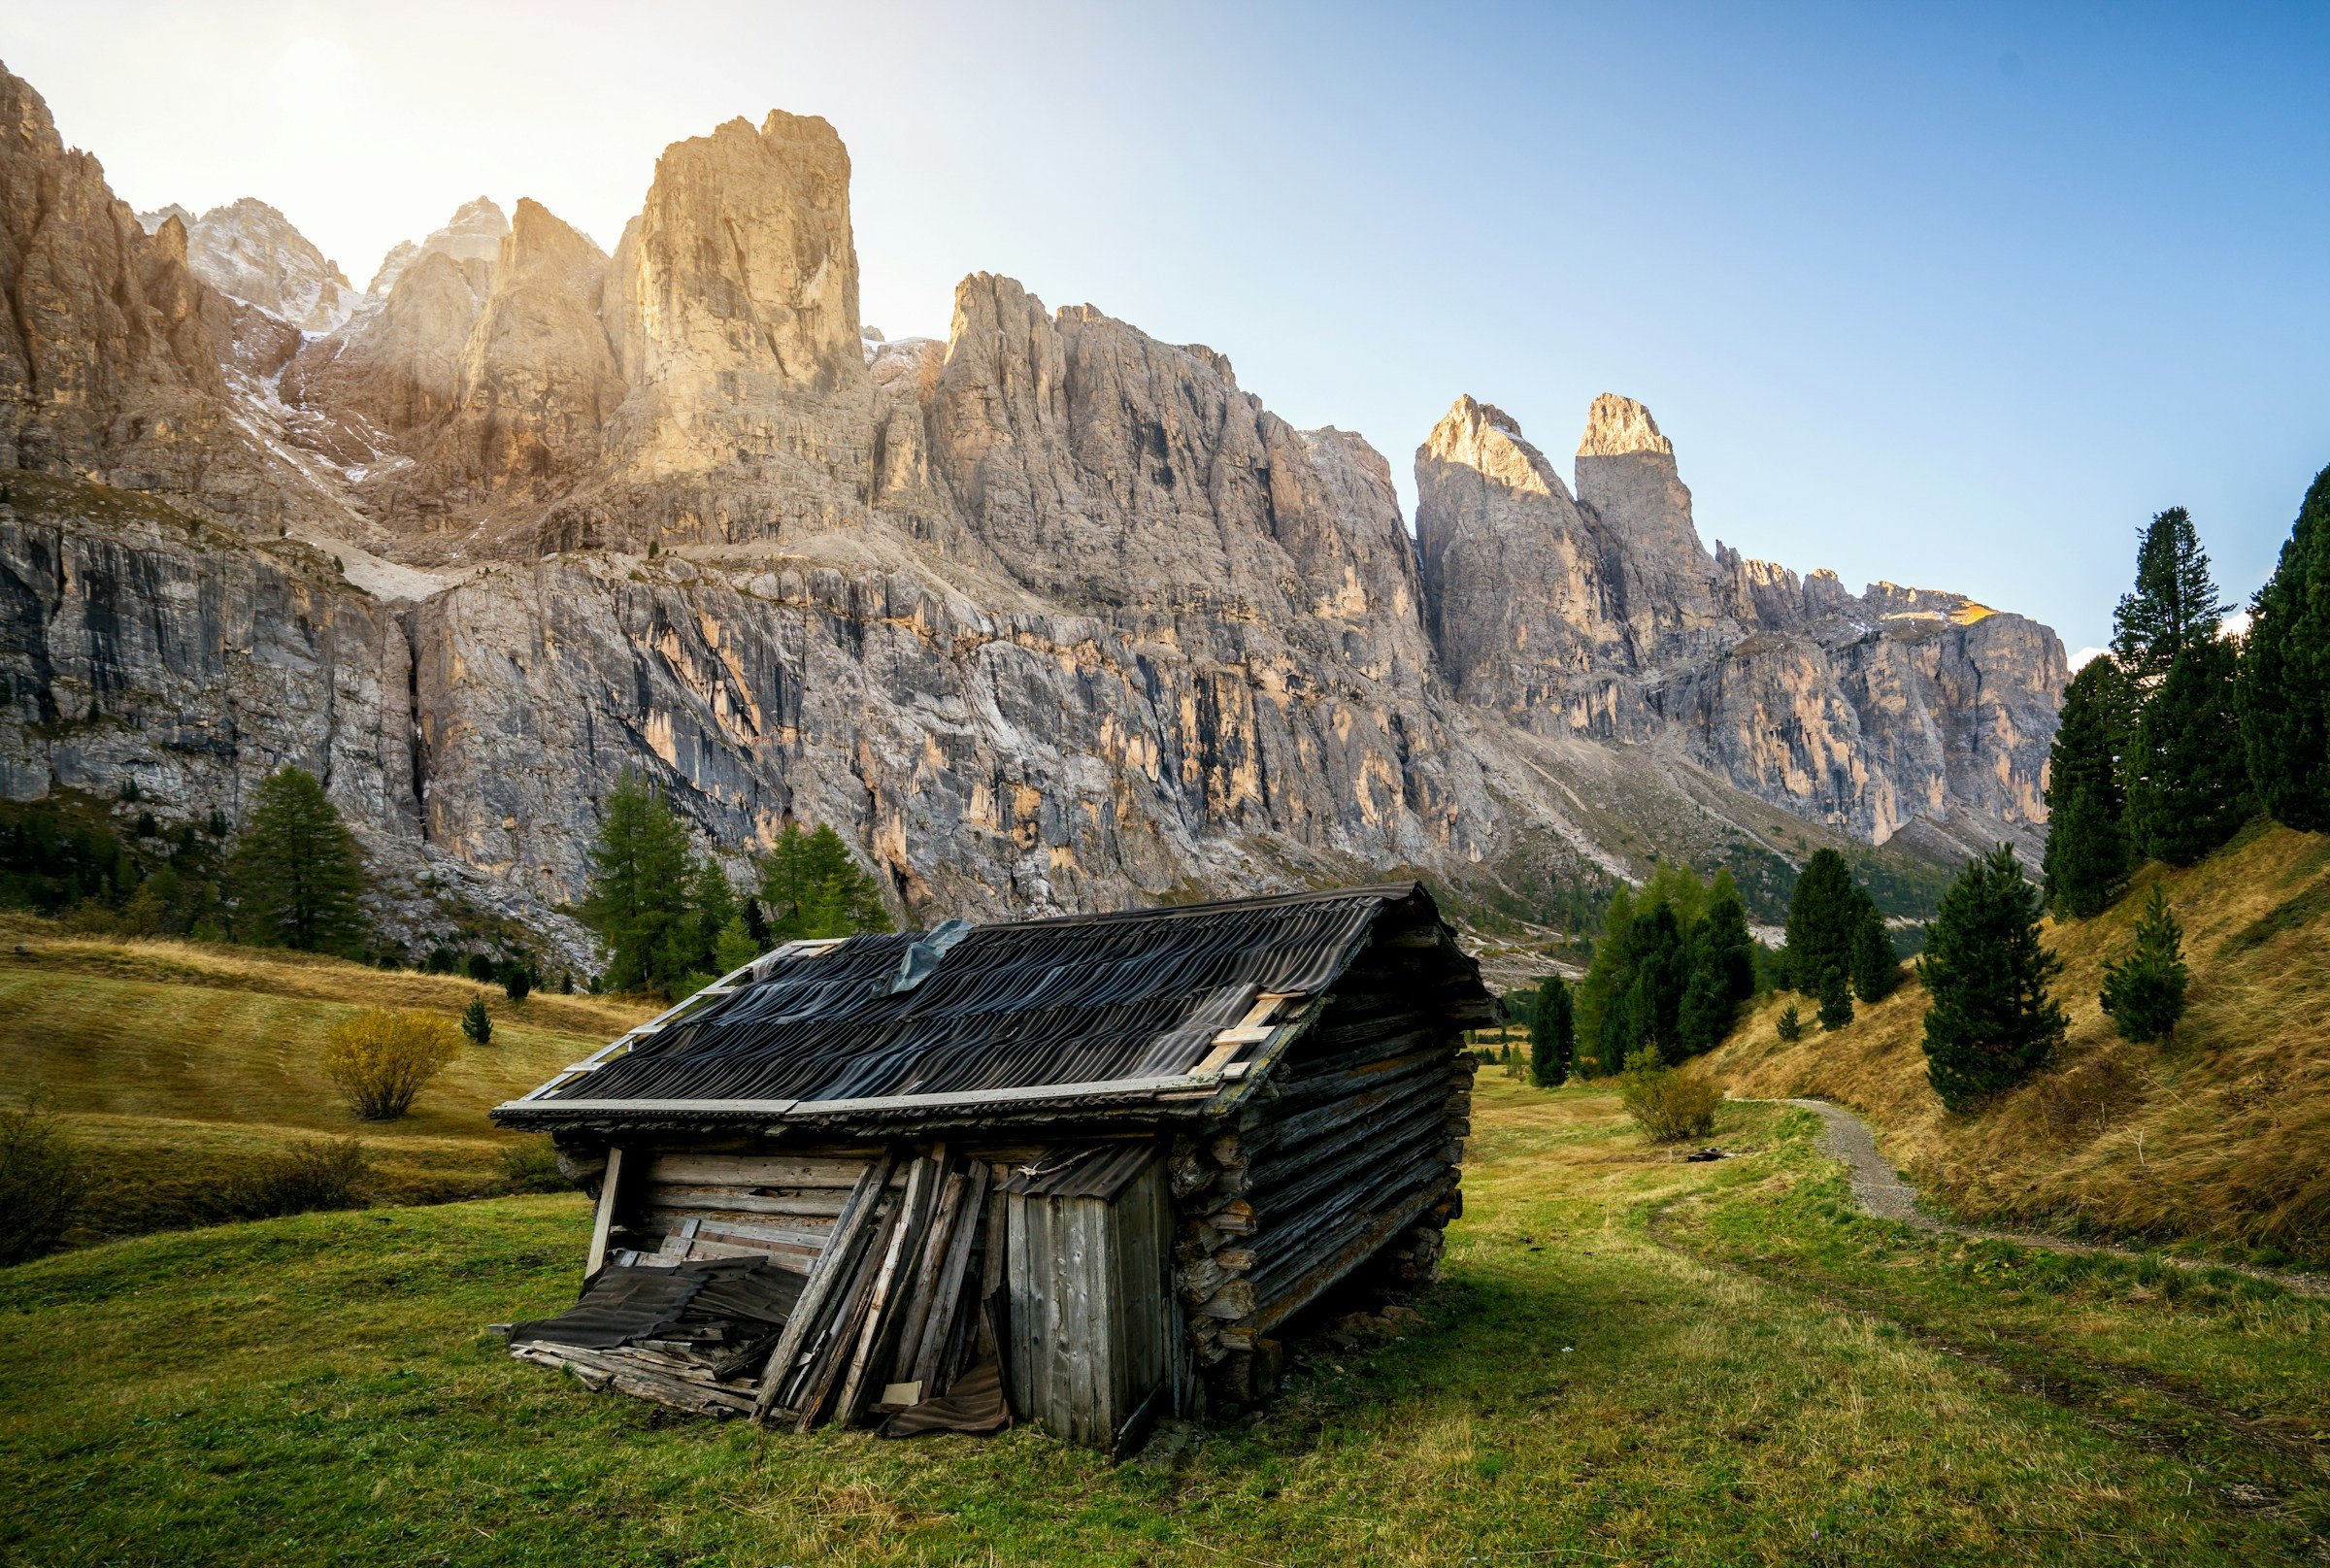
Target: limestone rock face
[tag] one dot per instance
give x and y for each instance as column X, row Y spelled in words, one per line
column 398, row 370
column 1523, row 593
column 107, row 365
column 1627, row 481
column 732, row 308
column 537, row 377
column 249, row 251
column 1606, row 618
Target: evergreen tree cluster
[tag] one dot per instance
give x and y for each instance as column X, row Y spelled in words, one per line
column 668, row 916
column 2180, row 735
column 1674, row 963
column 1837, row 942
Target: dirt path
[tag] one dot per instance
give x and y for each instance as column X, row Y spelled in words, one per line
column 1884, row 1196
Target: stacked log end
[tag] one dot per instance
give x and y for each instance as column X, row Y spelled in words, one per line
column 1347, row 1159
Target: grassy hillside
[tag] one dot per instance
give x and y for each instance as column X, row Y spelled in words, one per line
column 2219, row 1136
column 1633, row 1359
column 177, row 1064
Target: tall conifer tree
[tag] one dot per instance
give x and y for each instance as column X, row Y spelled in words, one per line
column 2285, row 674
column 2087, row 841
column 1552, row 1036
column 1876, row 964
column 1992, row 1022
column 298, row 872
column 2189, row 787
column 640, row 903
column 1822, row 916
column 2174, row 602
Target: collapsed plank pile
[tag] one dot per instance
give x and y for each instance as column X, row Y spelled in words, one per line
column 1087, row 1171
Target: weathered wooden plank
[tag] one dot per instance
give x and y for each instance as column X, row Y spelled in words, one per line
column 922, row 1280
column 821, row 1203
column 831, row 1363
column 755, row 1170
column 914, row 1211
column 946, row 1307
column 807, row 1313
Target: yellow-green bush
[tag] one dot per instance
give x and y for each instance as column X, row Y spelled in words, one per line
column 1668, row 1103
column 380, row 1059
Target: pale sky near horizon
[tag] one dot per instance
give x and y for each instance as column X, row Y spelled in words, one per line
column 1952, row 295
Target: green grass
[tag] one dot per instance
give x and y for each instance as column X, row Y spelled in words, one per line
column 174, row 1065
column 1631, row 1360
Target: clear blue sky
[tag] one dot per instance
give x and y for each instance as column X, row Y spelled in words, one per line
column 1955, row 295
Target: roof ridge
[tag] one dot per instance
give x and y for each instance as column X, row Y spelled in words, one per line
column 1388, row 891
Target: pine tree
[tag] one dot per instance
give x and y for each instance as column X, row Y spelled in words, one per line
column 640, row 902
column 1790, row 1028
column 1836, row 998
column 735, row 949
column 1876, row 965
column 811, row 887
column 2086, row 841
column 2189, row 787
column 1705, row 1016
column 1823, row 917
column 2285, row 674
column 1550, row 1038
column 297, row 873
column 2175, row 605
column 1729, row 944
column 476, row 1023
column 1991, row 1023
column 2145, row 991
column 715, row 905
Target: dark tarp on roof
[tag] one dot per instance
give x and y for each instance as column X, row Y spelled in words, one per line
column 1089, row 999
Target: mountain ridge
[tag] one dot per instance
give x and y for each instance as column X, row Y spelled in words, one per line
column 1048, row 615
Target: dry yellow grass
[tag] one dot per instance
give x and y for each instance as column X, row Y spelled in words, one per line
column 173, row 1064
column 2222, row 1136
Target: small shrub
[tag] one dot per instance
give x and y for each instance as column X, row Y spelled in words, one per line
column 531, row 1166
column 381, row 1059
column 311, row 1176
column 41, row 1182
column 2144, row 993
column 1669, row 1103
column 1791, row 1024
column 475, row 1023
column 481, row 967
column 518, row 982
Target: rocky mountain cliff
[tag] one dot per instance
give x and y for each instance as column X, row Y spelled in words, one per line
column 1050, row 615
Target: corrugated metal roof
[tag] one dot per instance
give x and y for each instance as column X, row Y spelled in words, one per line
column 1086, row 1001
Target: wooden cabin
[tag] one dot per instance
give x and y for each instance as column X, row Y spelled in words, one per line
column 1084, row 1172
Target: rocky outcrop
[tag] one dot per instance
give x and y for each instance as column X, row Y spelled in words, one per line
column 249, row 251
column 1606, row 616
column 538, row 379
column 1048, row 615
column 394, row 372
column 1526, row 603
column 732, row 308
column 107, row 366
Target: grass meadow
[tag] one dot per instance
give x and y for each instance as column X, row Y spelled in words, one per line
column 1631, row 1360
